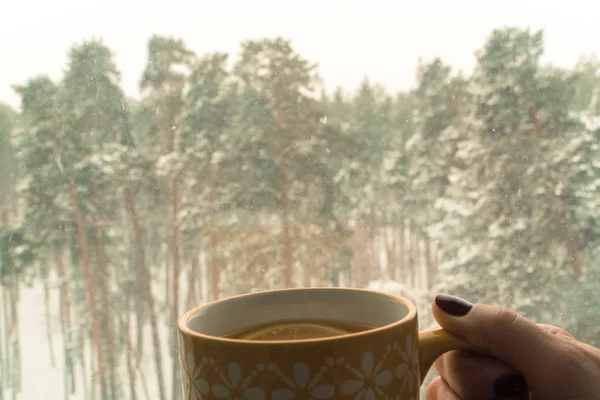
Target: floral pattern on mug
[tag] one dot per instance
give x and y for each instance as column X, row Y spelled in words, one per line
column 302, row 385
column 186, row 364
column 370, row 379
column 408, row 370
column 194, row 381
column 232, row 387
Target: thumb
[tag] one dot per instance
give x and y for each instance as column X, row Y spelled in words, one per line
column 507, row 335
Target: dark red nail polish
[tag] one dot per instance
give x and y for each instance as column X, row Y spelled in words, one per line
column 509, row 385
column 453, row 305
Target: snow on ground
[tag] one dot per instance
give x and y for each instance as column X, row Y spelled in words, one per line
column 40, row 380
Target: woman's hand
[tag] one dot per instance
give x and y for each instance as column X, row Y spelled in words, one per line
column 528, row 359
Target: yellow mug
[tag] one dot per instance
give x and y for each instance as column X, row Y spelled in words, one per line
column 385, row 357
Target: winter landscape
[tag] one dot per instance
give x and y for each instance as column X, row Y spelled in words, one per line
column 237, row 172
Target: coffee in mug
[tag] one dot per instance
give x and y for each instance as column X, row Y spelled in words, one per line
column 298, row 330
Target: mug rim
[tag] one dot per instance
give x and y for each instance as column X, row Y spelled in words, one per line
column 183, row 323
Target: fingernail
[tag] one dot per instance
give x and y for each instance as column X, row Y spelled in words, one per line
column 453, row 305
column 509, row 385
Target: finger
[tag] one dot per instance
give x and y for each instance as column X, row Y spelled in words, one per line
column 534, row 352
column 556, row 331
column 472, row 376
column 438, row 389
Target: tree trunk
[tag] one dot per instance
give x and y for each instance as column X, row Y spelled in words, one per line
column 401, row 271
column 572, row 246
column 367, row 263
column 390, row 251
column 287, row 250
column 125, row 328
column 47, row 317
column 90, row 287
column 431, row 268
column 168, row 274
column 306, row 273
column 138, row 368
column 139, row 305
column 139, row 350
column 65, row 318
column 3, row 192
column 418, row 265
column 203, row 289
column 192, row 299
column 412, row 260
column 88, row 385
column 94, row 383
column 4, row 338
column 175, row 293
column 105, row 295
column 537, row 126
column 8, row 333
column 574, row 256
column 18, row 371
column 146, row 282
column 3, row 334
column 215, row 271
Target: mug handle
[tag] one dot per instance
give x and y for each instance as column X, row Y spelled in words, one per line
column 436, row 342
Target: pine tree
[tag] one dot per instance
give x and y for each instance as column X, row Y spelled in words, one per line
column 587, row 94
column 579, row 158
column 278, row 85
column 16, row 254
column 163, row 83
column 209, row 157
column 505, row 209
column 46, row 204
column 8, row 163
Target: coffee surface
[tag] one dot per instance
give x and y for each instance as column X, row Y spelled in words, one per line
column 297, row 330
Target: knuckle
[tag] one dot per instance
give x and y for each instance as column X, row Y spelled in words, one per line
column 456, row 360
column 554, row 330
column 434, row 389
column 562, row 332
column 504, row 316
column 440, row 364
column 501, row 321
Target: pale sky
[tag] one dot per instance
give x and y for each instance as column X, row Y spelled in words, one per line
column 381, row 39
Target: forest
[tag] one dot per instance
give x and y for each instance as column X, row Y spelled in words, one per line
column 235, row 173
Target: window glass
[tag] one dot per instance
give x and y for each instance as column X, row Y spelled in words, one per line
column 155, row 156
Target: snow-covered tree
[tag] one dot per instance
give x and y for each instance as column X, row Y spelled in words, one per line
column 508, row 212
